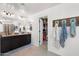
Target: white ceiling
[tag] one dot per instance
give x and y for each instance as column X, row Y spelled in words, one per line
column 33, row 8
column 37, row 7
column 24, row 9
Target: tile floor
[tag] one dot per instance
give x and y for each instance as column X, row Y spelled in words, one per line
column 30, row 50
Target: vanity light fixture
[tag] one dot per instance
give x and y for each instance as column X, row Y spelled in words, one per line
column 5, row 13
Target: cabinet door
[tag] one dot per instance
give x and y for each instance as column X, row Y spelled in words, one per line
column 13, row 42
column 20, row 40
column 28, row 39
column 0, row 46
column 5, row 45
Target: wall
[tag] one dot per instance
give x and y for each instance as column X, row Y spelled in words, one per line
column 57, row 12
column 1, row 28
column 35, row 31
column 3, row 22
column 23, row 22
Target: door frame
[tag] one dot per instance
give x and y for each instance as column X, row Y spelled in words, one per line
column 40, row 30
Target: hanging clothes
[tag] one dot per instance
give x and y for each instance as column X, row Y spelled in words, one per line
column 57, row 45
column 73, row 27
column 63, row 34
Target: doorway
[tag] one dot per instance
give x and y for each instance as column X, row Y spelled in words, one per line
column 43, row 32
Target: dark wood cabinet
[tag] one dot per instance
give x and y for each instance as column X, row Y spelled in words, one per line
column 12, row 42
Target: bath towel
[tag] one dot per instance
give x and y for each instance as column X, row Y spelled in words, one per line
column 56, row 35
column 73, row 27
column 63, row 34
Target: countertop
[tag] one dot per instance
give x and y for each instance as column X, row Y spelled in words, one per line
column 15, row 34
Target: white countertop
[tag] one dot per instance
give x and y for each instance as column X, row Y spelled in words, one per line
column 15, row 34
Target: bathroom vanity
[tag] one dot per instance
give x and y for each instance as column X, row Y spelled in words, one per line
column 10, row 42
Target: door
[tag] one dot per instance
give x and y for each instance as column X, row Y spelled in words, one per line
column 40, row 32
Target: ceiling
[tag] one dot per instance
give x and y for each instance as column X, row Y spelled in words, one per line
column 23, row 9
column 37, row 7
column 32, row 8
